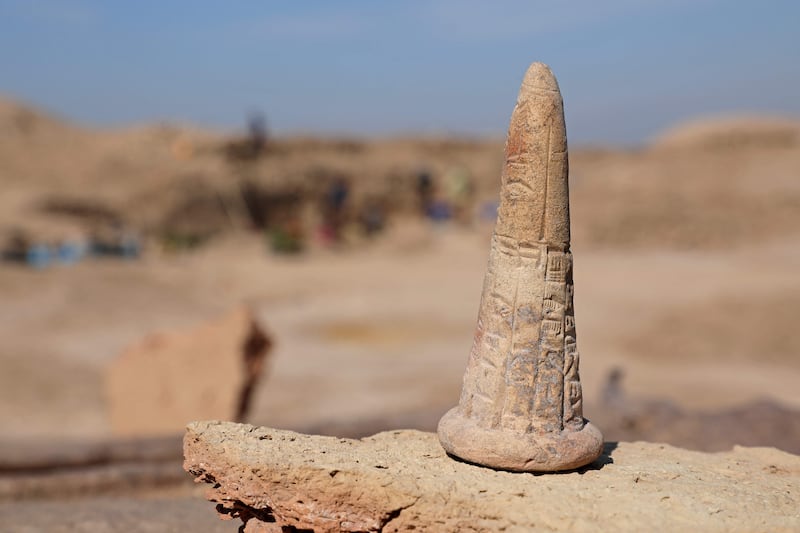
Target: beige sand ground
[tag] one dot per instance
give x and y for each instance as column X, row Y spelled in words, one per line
column 385, row 331
column 686, row 265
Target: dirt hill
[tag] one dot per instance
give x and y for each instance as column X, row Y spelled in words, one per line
column 716, row 182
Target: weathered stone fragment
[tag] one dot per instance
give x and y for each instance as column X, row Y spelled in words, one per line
column 521, row 402
column 169, row 379
column 277, row 480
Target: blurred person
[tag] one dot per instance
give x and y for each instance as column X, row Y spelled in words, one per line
column 72, row 250
column 258, row 134
column 372, row 217
column 425, row 191
column 115, row 240
column 16, row 246
column 334, row 203
column 487, row 211
column 459, row 191
column 287, row 236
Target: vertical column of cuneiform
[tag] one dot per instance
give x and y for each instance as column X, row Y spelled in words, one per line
column 573, row 396
column 556, row 213
column 549, row 383
column 484, row 386
column 523, row 355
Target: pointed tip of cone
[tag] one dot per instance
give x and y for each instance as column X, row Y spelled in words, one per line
column 534, row 203
column 539, row 76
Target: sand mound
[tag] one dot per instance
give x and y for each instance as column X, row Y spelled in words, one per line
column 731, row 132
column 719, row 182
column 19, row 119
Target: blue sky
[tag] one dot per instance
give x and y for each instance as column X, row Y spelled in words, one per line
column 627, row 68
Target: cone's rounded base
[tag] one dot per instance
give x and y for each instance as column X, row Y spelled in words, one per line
column 516, row 451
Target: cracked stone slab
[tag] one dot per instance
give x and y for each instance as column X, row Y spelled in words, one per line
column 276, row 480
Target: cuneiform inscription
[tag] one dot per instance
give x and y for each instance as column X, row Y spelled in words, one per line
column 521, row 406
column 557, row 267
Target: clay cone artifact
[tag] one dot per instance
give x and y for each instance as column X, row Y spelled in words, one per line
column 521, row 402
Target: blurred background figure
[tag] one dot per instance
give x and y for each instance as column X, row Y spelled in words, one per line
column 257, row 128
column 425, row 190
column 459, row 193
column 334, row 209
column 372, row 216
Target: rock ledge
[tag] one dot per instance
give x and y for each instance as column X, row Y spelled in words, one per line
column 276, row 480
